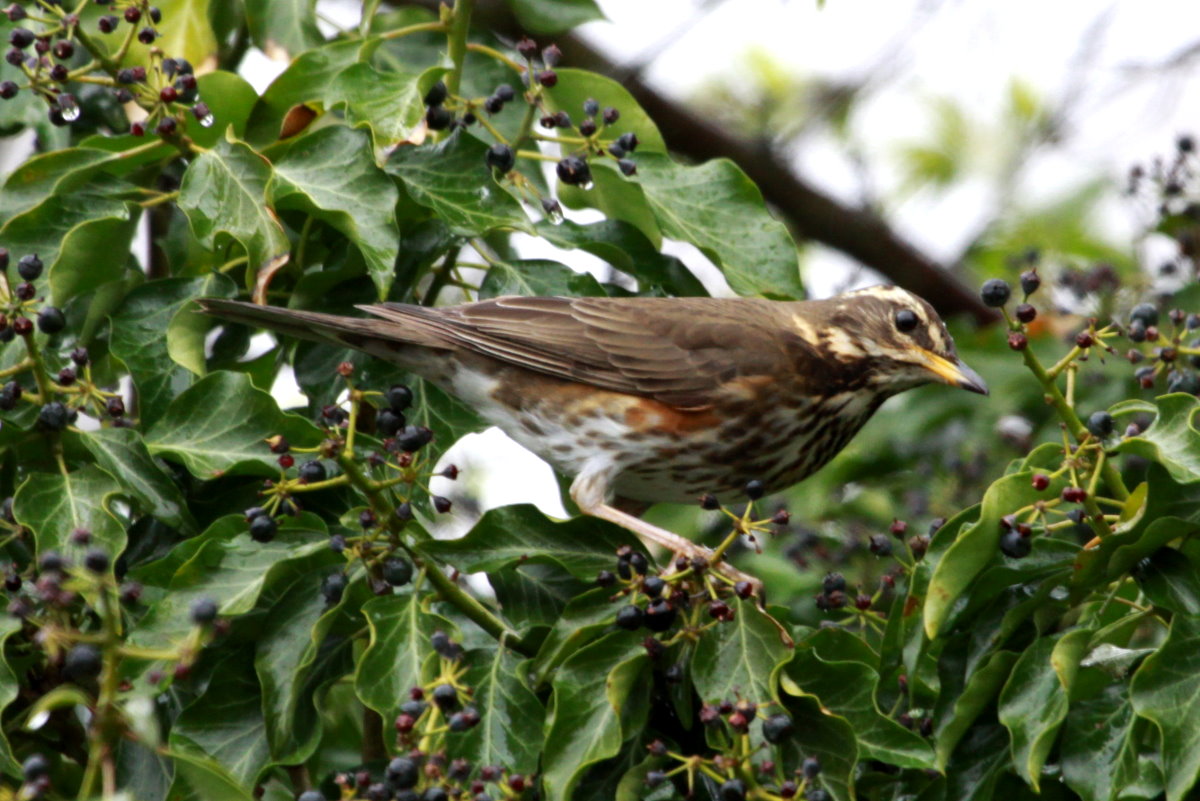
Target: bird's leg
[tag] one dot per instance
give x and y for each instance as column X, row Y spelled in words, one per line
column 590, row 490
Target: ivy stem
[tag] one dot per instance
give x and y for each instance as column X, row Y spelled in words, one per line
column 460, row 24
column 1067, row 414
column 422, row 27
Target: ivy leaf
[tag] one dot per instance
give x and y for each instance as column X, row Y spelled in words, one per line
column 534, row 595
column 304, row 80
column 1033, row 703
column 737, row 659
column 390, row 103
column 331, row 174
column 574, row 87
column 510, row 729
column 977, row 544
column 186, row 32
column 121, row 452
column 137, row 337
column 1171, row 440
column 220, row 424
column 625, row 247
column 225, row 723
column 545, row 17
column 303, row 647
column 961, row 701
column 846, row 686
column 582, row 620
column 517, row 534
column 1169, row 579
column 598, row 694
column 224, row 195
column 533, row 277
column 1100, row 753
column 823, row 735
column 53, row 505
column 230, row 99
column 201, row 779
column 9, row 685
column 717, row 208
column 396, row 654
column 452, row 180
column 1166, row 691
column 59, row 172
column 283, row 29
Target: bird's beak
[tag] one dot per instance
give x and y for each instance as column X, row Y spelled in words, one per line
column 954, row 373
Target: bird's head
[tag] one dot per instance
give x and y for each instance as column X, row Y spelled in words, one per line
column 899, row 336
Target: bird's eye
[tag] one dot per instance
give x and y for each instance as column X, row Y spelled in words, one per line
column 906, row 320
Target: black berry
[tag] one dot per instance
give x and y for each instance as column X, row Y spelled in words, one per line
column 1101, row 424
column 574, row 171
column 50, row 320
column 83, row 662
column 660, row 614
column 438, row 118
column 312, row 471
column 1145, row 313
column 96, row 560
column 501, row 157
column 263, row 528
column 333, row 586
column 437, row 94
column 995, row 292
column 402, row 773
column 413, row 438
column 53, row 417
column 30, row 267
column 628, row 142
column 203, row 611
column 732, row 790
column 445, row 696
column 397, row 571
column 629, row 618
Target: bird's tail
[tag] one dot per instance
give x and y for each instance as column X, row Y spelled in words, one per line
column 385, row 339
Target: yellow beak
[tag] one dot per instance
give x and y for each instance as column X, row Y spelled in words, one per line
column 954, row 373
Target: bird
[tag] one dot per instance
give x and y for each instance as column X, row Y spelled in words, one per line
column 642, row 400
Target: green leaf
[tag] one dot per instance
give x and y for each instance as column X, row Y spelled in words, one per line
column 533, row 277
column 9, row 685
column 509, row 732
column 59, row 172
column 53, row 505
column 201, row 779
column 534, row 595
column 121, row 452
column 977, row 545
column 396, row 654
column 625, row 247
column 1033, row 703
column 225, row 723
column 517, row 534
column 137, row 337
column 389, row 103
column 737, row 659
column 618, row 197
column 825, row 665
column 575, row 87
column 331, row 174
column 283, row 29
column 544, row 17
column 224, row 196
column 230, row 99
column 185, row 31
column 597, row 692
column 584, row 619
column 304, row 647
column 1170, row 580
column 960, row 704
column 452, row 180
column 820, row 734
column 1100, row 759
column 305, row 80
column 1171, row 440
column 220, row 425
column 1166, row 691
column 717, row 208
column 224, row 564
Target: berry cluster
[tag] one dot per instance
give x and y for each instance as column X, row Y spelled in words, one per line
column 394, row 476
column 428, row 730
column 736, row 776
column 51, row 56
column 63, row 385
column 588, row 138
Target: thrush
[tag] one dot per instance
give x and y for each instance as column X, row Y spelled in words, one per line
column 646, row 400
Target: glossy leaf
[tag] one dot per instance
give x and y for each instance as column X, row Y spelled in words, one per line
column 53, row 505
column 737, row 659
column 554, row 16
column 1166, row 691
column 1169, row 579
column 597, row 693
column 715, row 207
column 202, row 779
column 1033, row 704
column 122, row 452
column 509, row 732
column 516, row 534
column 220, row 425
column 576, row 86
column 389, row 103
column 224, row 194
column 452, row 180
column 332, row 175
column 532, row 277
column 1172, row 440
column 9, row 686
column 1099, row 747
column 396, row 654
column 820, row 734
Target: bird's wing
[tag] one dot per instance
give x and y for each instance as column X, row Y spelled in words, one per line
column 676, row 350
